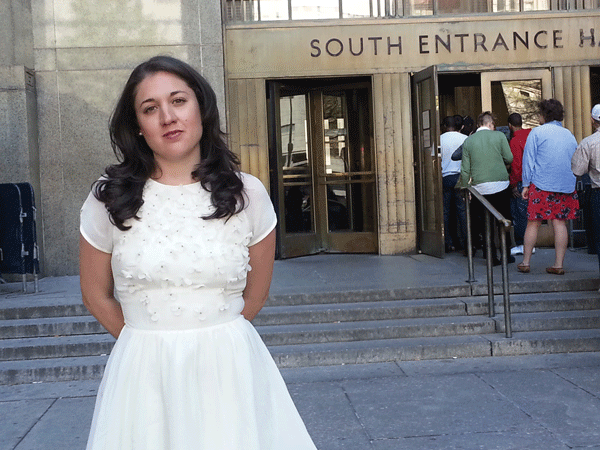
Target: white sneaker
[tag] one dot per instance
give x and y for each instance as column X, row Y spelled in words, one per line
column 518, row 250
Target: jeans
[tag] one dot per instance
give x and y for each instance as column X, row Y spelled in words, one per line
column 594, row 211
column 454, row 204
column 518, row 210
column 500, row 201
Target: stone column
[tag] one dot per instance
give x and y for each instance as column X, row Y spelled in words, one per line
column 19, row 154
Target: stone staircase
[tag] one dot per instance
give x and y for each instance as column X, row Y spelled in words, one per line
column 51, row 337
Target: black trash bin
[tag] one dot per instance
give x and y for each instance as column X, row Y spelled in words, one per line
column 18, row 240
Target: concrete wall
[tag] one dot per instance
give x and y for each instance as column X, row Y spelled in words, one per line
column 84, row 51
column 19, row 151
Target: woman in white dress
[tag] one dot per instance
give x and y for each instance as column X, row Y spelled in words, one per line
column 176, row 257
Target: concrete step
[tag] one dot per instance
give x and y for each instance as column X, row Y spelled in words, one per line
column 373, row 330
column 52, row 370
column 537, row 302
column 96, row 344
column 316, row 334
column 547, row 321
column 582, row 316
column 40, row 313
column 55, row 347
column 337, row 353
column 460, row 289
column 359, row 311
column 36, row 306
column 447, row 347
column 50, row 326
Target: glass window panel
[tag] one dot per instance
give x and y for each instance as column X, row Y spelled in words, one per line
column 296, row 165
column 370, row 8
column 520, row 97
column 350, row 207
column 241, row 10
column 335, row 130
column 505, row 6
column 463, row 6
column 419, row 7
column 315, row 9
column 356, row 9
column 536, row 5
column 274, row 10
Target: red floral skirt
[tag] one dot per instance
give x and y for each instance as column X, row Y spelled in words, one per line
column 544, row 205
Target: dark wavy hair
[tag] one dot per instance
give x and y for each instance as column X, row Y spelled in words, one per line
column 121, row 189
column 551, row 109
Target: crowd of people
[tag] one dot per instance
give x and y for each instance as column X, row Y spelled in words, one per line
column 529, row 178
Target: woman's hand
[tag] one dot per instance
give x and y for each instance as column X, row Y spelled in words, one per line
column 97, row 285
column 525, row 193
column 258, row 282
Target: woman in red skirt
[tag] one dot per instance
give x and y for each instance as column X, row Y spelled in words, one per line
column 549, row 183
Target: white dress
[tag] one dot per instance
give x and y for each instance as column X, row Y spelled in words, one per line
column 188, row 371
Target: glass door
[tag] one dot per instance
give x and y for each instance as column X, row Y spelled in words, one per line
column 293, row 159
column 428, row 174
column 346, row 169
column 321, row 146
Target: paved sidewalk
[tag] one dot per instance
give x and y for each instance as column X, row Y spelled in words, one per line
column 342, row 273
column 356, row 272
column 547, row 402
column 528, row 402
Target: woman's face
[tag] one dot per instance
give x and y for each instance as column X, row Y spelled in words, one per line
column 169, row 118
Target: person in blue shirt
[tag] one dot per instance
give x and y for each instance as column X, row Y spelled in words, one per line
column 549, row 183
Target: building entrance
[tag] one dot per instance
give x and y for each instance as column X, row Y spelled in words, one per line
column 437, row 95
column 323, row 168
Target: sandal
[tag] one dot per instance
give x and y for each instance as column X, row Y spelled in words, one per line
column 523, row 268
column 555, row 270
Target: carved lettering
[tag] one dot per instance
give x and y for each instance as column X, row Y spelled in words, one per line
column 448, row 43
column 500, row 42
column 398, row 45
column 317, row 51
column 338, row 42
column 517, row 37
column 445, row 44
column 479, row 40
column 556, row 37
column 375, row 39
column 423, row 43
column 535, row 39
column 462, row 41
column 361, row 47
column 583, row 38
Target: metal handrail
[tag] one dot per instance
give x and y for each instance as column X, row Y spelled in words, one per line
column 506, row 224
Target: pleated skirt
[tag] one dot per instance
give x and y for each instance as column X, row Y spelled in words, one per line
column 211, row 388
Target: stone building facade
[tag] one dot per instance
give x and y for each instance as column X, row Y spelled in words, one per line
column 336, row 111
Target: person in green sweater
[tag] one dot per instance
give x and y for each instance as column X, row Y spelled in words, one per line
column 486, row 154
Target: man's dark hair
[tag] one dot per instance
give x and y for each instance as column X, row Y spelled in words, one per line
column 468, row 125
column 551, row 109
column 458, row 121
column 515, row 120
column 449, row 124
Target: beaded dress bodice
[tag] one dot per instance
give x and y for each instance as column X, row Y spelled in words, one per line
column 175, row 270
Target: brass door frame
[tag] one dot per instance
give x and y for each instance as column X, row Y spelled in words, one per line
column 322, row 240
column 428, row 173
column 513, row 75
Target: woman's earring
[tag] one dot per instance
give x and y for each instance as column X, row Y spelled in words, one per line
column 140, row 133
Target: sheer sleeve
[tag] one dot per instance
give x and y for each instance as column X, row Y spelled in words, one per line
column 259, row 208
column 95, row 225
